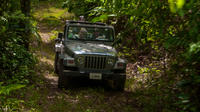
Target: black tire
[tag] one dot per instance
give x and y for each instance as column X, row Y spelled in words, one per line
column 56, row 63
column 119, row 83
column 63, row 81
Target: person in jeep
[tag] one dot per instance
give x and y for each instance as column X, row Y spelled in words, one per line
column 82, row 33
column 85, row 50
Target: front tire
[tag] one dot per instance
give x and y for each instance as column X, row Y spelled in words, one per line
column 56, row 63
column 119, row 83
column 63, row 81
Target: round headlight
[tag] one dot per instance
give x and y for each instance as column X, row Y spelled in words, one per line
column 111, row 61
column 80, row 59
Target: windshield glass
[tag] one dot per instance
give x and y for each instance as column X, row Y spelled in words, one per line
column 90, row 33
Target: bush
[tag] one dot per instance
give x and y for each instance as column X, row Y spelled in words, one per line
column 15, row 58
column 80, row 7
column 16, row 62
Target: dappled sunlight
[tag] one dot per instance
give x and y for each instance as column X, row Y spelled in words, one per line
column 141, row 76
column 47, row 9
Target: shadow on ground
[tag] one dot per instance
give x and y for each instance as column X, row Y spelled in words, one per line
column 84, row 94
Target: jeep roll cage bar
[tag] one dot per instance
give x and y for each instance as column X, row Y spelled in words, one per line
column 84, row 22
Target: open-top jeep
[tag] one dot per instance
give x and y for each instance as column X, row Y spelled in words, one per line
column 85, row 50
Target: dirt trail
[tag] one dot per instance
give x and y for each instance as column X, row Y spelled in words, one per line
column 46, row 56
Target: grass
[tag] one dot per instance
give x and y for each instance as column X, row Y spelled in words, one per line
column 50, row 15
column 82, row 100
column 52, row 12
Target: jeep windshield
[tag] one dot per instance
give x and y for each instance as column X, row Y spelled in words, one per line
column 90, row 33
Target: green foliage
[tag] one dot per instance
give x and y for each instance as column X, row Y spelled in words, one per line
column 10, row 105
column 15, row 59
column 5, row 90
column 16, row 62
column 51, row 21
column 175, row 5
column 50, row 15
column 80, row 7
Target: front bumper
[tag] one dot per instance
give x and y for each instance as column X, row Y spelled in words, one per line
column 70, row 73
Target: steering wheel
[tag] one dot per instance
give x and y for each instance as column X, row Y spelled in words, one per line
column 75, row 36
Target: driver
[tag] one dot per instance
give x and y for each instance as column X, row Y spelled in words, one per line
column 70, row 34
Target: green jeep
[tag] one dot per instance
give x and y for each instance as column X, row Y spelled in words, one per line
column 85, row 50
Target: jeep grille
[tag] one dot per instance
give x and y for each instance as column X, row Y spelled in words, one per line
column 95, row 62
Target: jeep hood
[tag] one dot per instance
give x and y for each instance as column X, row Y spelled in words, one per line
column 90, row 48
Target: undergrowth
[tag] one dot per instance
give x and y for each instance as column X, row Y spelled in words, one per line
column 17, row 62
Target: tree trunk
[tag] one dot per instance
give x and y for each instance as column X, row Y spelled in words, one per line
column 26, row 9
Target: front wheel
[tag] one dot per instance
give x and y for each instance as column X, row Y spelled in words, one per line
column 56, row 63
column 119, row 83
column 63, row 81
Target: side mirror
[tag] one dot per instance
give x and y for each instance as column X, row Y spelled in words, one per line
column 60, row 35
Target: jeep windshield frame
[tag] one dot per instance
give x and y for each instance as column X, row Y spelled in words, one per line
column 90, row 33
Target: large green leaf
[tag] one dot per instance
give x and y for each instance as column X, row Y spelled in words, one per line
column 5, row 90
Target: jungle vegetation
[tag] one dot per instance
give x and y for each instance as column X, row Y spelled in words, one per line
column 163, row 35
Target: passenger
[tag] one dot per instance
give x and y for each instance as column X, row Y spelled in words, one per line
column 82, row 33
